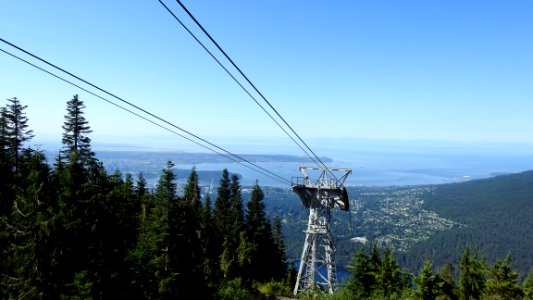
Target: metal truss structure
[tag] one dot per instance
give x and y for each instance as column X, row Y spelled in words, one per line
column 317, row 264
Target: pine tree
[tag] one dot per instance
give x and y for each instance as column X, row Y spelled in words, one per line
column 245, row 259
column 4, row 142
column 4, row 138
column 83, row 187
column 527, row 286
column 210, row 263
column 447, row 282
column 237, row 210
column 6, row 169
column 427, row 283
column 114, row 234
column 223, row 204
column 363, row 280
column 192, row 192
column 143, row 197
column 471, row 276
column 72, row 235
column 29, row 253
column 389, row 278
column 375, row 260
column 263, row 256
column 165, row 200
column 191, row 277
column 222, row 217
column 279, row 244
column 142, row 257
column 76, row 130
column 230, row 215
column 503, row 281
column 17, row 130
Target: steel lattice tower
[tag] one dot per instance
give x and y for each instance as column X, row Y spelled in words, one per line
column 317, row 264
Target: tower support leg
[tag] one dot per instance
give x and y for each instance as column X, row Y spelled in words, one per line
column 317, row 265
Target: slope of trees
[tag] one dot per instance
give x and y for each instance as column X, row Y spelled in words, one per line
column 376, row 275
column 73, row 231
column 497, row 213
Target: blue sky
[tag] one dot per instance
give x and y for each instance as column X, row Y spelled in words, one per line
column 459, row 71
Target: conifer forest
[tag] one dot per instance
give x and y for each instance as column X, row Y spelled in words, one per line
column 71, row 230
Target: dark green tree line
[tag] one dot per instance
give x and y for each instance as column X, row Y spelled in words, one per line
column 73, row 231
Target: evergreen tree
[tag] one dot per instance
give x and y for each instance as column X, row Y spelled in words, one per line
column 6, row 170
column 16, row 127
column 76, row 130
column 279, row 245
column 223, row 218
column 191, row 258
column 73, row 229
column 265, row 259
column 192, row 193
column 4, row 142
column 375, row 260
column 447, row 284
column 228, row 260
column 165, row 202
column 503, row 281
column 389, row 278
column 233, row 224
column 222, row 209
column 237, row 210
column 115, row 234
column 29, row 253
column 527, row 286
column 471, row 276
column 245, row 259
column 363, row 280
column 83, row 212
column 209, row 251
column 143, row 197
column 427, row 283
column 153, row 258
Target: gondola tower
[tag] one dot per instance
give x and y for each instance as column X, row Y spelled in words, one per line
column 317, row 264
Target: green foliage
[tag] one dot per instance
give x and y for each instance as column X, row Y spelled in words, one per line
column 273, row 288
column 447, row 283
column 76, row 232
column 497, row 213
column 427, row 283
column 527, row 286
column 472, row 276
column 234, row 290
column 502, row 282
column 15, row 130
column 363, row 275
column 76, row 130
column 83, row 285
column 375, row 275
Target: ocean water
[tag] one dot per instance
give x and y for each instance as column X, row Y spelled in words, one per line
column 373, row 162
column 390, row 168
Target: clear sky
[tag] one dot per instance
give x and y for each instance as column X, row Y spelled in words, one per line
column 408, row 70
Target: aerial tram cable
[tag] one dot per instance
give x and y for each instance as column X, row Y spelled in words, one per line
column 234, row 157
column 259, row 169
column 235, row 79
column 313, row 157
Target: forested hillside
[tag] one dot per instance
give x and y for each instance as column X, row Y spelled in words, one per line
column 73, row 231
column 497, row 212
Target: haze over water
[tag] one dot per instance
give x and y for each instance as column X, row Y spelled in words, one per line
column 386, row 163
column 373, row 162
